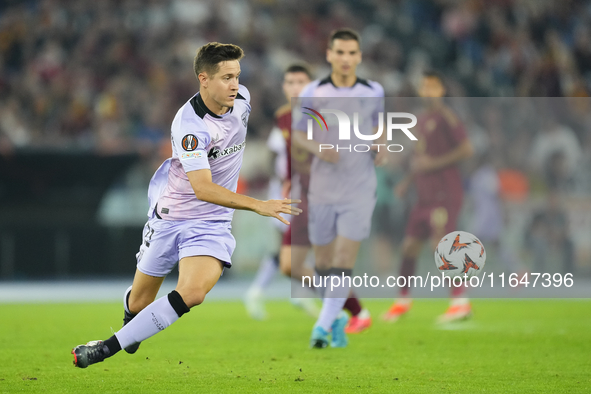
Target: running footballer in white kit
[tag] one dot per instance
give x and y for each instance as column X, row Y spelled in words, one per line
column 342, row 183
column 200, row 140
column 192, row 199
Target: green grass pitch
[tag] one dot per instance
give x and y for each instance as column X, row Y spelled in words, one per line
column 527, row 346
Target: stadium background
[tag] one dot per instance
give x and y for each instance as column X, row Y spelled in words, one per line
column 88, row 91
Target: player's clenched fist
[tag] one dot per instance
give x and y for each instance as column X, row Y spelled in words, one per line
column 274, row 207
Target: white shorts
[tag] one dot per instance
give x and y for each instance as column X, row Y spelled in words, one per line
column 166, row 242
column 349, row 220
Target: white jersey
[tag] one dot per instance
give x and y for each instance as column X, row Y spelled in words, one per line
column 201, row 140
column 353, row 177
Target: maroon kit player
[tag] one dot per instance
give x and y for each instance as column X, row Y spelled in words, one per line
column 442, row 144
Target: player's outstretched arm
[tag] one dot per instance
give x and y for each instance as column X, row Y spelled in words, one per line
column 206, row 190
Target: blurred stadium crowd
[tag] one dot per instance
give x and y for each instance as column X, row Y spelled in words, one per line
column 109, row 75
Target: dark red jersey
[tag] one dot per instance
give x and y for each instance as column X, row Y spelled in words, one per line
column 439, row 132
column 298, row 159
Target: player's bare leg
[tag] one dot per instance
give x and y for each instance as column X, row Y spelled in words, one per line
column 411, row 248
column 292, row 261
column 197, row 276
column 138, row 296
column 143, row 291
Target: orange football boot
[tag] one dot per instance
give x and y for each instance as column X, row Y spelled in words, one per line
column 359, row 323
column 398, row 308
column 456, row 311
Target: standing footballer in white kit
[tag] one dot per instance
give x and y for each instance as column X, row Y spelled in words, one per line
column 342, row 184
column 192, row 199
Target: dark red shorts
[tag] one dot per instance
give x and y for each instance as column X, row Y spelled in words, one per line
column 426, row 221
column 297, row 232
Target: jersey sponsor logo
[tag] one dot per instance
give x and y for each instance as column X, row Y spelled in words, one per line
column 192, row 155
column 189, row 142
column 216, row 153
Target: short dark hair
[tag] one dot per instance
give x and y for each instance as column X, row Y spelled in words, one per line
column 343, row 34
column 210, row 55
column 298, row 68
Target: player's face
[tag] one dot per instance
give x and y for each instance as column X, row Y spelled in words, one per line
column 431, row 87
column 293, row 83
column 222, row 86
column 344, row 56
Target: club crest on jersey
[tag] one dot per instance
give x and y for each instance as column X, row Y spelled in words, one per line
column 189, row 142
column 245, row 118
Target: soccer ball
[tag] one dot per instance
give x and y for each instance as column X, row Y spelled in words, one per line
column 460, row 253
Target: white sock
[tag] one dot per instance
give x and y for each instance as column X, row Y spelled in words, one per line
column 265, row 273
column 333, row 303
column 364, row 314
column 150, row 321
